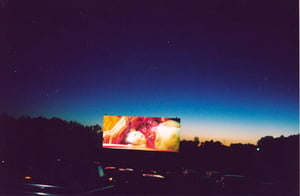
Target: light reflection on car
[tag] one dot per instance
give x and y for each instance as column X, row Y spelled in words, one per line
column 61, row 178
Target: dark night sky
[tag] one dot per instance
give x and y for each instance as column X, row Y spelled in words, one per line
column 228, row 69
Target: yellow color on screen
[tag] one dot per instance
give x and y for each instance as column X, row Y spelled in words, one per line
column 109, row 122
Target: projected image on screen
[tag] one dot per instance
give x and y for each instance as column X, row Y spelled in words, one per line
column 141, row 133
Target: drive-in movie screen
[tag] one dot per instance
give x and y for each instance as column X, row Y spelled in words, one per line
column 141, row 133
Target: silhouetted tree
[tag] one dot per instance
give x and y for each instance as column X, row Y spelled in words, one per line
column 42, row 139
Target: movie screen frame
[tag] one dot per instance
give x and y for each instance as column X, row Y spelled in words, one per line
column 141, row 133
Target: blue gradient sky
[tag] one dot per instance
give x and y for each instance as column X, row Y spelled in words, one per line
column 229, row 70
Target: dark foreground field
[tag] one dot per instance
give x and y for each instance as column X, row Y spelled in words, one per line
column 92, row 178
column 53, row 157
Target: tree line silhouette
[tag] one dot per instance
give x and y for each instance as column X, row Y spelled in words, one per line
column 26, row 140
column 40, row 138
